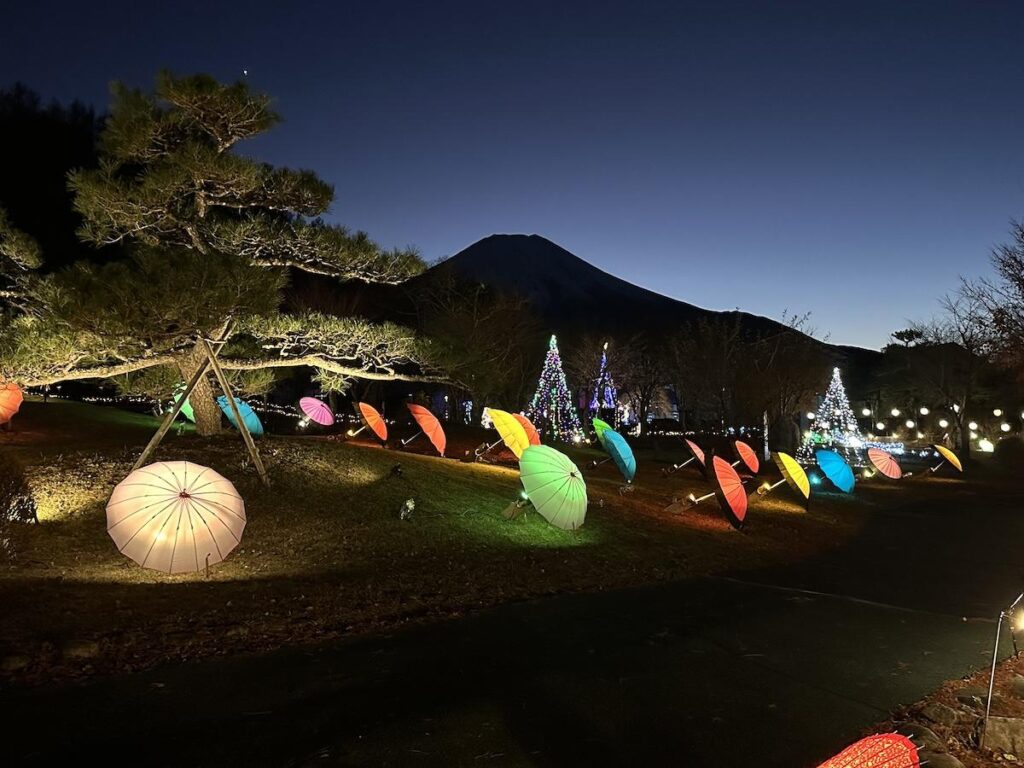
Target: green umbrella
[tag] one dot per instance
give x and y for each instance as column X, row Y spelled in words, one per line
column 554, row 485
column 600, row 427
column 186, row 407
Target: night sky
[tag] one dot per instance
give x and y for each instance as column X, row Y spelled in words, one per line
column 851, row 159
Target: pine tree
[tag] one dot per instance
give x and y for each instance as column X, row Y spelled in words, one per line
column 551, row 409
column 605, row 398
column 835, row 425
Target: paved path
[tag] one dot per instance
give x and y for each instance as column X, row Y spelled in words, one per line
column 770, row 668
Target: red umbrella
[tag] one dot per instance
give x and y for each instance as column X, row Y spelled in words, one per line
column 886, row 750
column 747, row 456
column 10, row 401
column 696, row 454
column 885, row 463
column 531, row 431
column 429, row 426
column 729, row 491
column 372, row 420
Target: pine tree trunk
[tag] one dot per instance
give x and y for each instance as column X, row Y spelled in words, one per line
column 204, row 406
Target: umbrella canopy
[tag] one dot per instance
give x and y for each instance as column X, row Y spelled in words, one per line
column 510, row 430
column 372, row 418
column 186, row 407
column 698, row 453
column 729, row 491
column 175, row 517
column 600, row 427
column 793, row 473
column 317, row 410
column 949, row 456
column 531, row 431
column 555, row 486
column 887, row 750
column 430, row 425
column 748, row 456
column 885, row 463
column 11, row 399
column 836, row 470
column 252, row 421
column 621, row 454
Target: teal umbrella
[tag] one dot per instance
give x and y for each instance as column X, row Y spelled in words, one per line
column 600, row 427
column 621, row 454
column 252, row 421
column 836, row 470
column 186, row 407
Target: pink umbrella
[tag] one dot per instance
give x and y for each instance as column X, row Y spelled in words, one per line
column 317, row 411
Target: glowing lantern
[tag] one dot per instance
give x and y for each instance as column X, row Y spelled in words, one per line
column 175, row 517
column 11, row 399
column 888, row 750
column 317, row 411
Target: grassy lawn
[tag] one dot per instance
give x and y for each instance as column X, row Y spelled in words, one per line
column 325, row 554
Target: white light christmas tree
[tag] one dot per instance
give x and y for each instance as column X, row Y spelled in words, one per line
column 835, row 426
column 605, row 398
column 551, row 409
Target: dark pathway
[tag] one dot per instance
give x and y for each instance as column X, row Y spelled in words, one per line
column 722, row 672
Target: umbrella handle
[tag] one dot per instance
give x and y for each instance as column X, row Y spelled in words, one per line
column 409, row 440
column 694, row 501
column 353, row 434
column 763, row 489
column 487, row 449
column 676, row 467
column 598, row 463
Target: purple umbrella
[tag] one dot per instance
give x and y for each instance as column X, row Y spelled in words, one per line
column 317, row 411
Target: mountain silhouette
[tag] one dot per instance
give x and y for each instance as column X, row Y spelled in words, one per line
column 571, row 294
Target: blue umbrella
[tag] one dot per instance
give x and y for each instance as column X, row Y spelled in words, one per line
column 837, row 470
column 252, row 421
column 621, row 454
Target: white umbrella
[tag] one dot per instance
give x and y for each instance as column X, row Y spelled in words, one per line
column 175, row 517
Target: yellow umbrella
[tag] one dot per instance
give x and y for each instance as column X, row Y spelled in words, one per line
column 510, row 430
column 949, row 456
column 792, row 473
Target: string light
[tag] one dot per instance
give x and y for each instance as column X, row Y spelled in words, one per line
column 551, row 409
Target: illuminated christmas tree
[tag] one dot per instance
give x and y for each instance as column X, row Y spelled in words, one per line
column 834, row 426
column 551, row 409
column 605, row 398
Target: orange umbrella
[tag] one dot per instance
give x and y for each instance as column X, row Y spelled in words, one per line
column 531, row 431
column 729, row 491
column 371, row 418
column 429, row 426
column 885, row 463
column 947, row 455
column 886, row 750
column 747, row 456
column 696, row 454
column 10, row 401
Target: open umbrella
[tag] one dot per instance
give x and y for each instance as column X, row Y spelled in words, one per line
column 835, row 468
column 531, row 431
column 372, row 420
column 186, row 407
column 600, row 427
column 747, row 456
column 429, row 426
column 696, row 454
column 947, row 456
column 555, row 486
column 729, row 490
column 885, row 463
column 11, row 399
column 792, row 473
column 317, row 410
column 510, row 432
column 886, row 750
column 175, row 517
column 252, row 421
column 620, row 452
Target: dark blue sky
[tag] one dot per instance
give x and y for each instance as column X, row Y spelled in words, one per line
column 851, row 159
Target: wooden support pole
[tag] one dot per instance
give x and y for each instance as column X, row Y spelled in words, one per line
column 171, row 416
column 239, row 422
